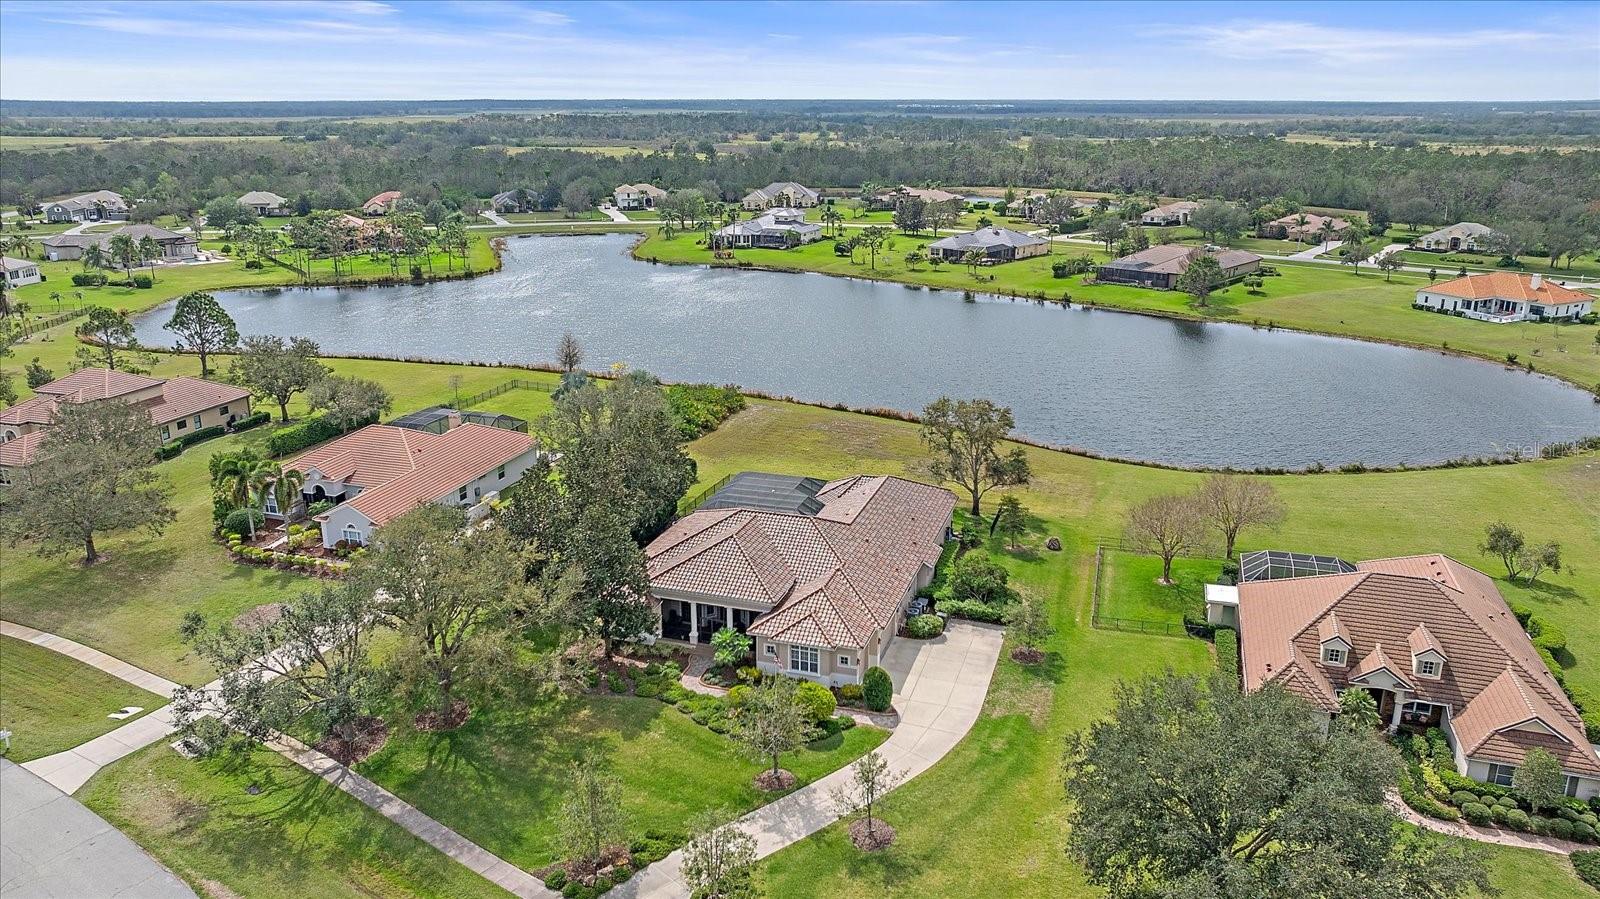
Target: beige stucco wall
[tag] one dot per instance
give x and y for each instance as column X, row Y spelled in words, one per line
column 209, row 418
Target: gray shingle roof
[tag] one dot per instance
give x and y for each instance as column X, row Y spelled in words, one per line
column 984, row 238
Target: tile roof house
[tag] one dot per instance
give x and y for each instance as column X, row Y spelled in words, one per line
column 19, row 272
column 509, row 201
column 1160, row 266
column 382, row 203
column 637, row 196
column 777, row 229
column 886, row 199
column 379, row 472
column 265, row 202
column 996, row 244
column 100, row 205
column 1435, row 644
column 1469, row 236
column 820, row 574
column 781, row 194
column 1502, row 297
column 177, row 407
column 1170, row 214
column 1290, row 227
column 175, row 247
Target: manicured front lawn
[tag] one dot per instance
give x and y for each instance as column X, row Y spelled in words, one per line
column 51, row 702
column 593, row 215
column 500, row 778
column 297, row 837
column 1131, row 590
column 1449, row 264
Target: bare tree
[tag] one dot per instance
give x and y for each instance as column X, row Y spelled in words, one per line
column 1167, row 526
column 1234, row 502
column 568, row 354
column 870, row 780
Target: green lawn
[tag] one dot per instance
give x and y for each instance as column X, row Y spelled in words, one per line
column 51, row 702
column 1131, row 589
column 297, row 837
column 1449, row 264
column 593, row 215
column 499, row 779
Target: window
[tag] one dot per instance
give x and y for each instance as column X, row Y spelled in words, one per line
column 1429, row 667
column 502, row 473
column 272, row 504
column 223, row 410
column 5, row 478
column 1572, row 785
column 182, row 424
column 461, row 496
column 197, row 424
column 771, row 650
column 166, row 433
column 846, row 662
column 1333, row 655
column 805, row 658
column 352, row 534
column 1501, row 774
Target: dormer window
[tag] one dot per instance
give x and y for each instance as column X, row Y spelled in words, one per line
column 1334, row 655
column 1427, row 667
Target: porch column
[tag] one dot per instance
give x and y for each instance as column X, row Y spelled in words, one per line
column 728, row 621
column 1399, row 703
column 694, row 622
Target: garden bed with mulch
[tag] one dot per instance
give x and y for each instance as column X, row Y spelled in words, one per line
column 434, row 720
column 880, row 836
column 772, row 782
column 1027, row 655
column 369, row 736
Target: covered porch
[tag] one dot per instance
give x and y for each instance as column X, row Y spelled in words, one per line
column 694, row 622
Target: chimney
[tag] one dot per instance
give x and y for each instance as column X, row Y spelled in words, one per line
column 454, row 421
column 1537, row 282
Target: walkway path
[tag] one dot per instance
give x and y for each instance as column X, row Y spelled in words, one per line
column 615, row 214
column 942, row 686
column 1318, row 250
column 1493, row 835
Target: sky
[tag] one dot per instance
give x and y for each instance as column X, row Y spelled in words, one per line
column 788, row 49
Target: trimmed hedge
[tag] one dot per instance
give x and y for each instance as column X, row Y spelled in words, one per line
column 202, row 435
column 877, row 689
column 972, row 610
column 170, row 450
column 252, row 421
column 925, row 627
column 1227, row 642
column 310, row 432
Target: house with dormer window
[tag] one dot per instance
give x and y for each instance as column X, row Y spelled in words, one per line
column 1433, row 642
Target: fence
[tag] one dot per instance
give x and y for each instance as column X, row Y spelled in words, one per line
column 28, row 328
column 690, row 503
column 468, row 402
column 1132, row 625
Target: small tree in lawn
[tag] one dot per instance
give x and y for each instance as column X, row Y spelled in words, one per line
column 1539, row 780
column 729, row 647
column 1010, row 521
column 1389, row 263
column 1535, row 560
column 773, row 721
column 348, row 401
column 1167, row 526
column 964, row 437
column 1029, row 622
column 202, row 327
column 1234, row 502
column 870, row 780
column 718, row 858
column 1202, row 276
column 591, row 814
column 1507, row 543
column 275, row 369
column 112, row 334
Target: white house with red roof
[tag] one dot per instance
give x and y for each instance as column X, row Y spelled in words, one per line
column 382, row 204
column 1435, row 644
column 1506, row 297
column 819, row 574
column 380, row 472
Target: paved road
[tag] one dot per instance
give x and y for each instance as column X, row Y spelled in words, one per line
column 942, row 686
column 51, row 847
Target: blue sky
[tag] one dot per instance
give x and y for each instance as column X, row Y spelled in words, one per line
column 398, row 49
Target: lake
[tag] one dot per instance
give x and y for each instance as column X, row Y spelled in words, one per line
column 1124, row 385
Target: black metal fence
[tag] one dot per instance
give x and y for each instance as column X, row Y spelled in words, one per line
column 20, row 329
column 468, row 402
column 1132, row 625
column 690, row 503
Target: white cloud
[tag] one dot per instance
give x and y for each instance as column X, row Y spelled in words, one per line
column 1334, row 46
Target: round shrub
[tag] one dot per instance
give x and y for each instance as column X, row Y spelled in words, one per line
column 1517, row 819
column 925, row 627
column 845, row 722
column 1539, row 824
column 1488, row 799
column 1590, row 818
column 1571, row 814
column 817, row 700
column 877, row 689
column 850, row 693
column 739, row 695
column 1460, row 798
column 647, row 689
column 238, row 521
column 1561, row 828
column 1583, row 831
column 1498, row 813
column 1507, row 802
column 1476, row 812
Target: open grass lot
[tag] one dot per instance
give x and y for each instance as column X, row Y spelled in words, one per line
column 499, row 779
column 593, row 215
column 50, row 702
column 1449, row 264
column 297, row 837
column 1306, row 296
column 1262, row 245
column 1131, row 588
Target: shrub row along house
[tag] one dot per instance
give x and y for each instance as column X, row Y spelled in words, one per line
column 98, row 206
column 1433, row 642
column 820, row 574
column 177, row 406
column 777, row 229
column 1502, row 297
column 996, row 245
column 1161, row 266
column 375, row 474
column 174, row 247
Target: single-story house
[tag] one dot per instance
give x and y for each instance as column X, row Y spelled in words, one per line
column 996, row 244
column 378, row 473
column 637, row 196
column 887, row 199
column 101, row 205
column 1433, row 642
column 1469, row 236
column 776, row 230
column 1506, row 297
column 1290, row 227
column 819, row 574
column 781, row 194
column 177, row 406
column 381, row 204
column 19, row 272
column 1160, row 265
column 175, row 247
column 509, row 201
column 265, row 203
column 1170, row 214
column 1026, row 206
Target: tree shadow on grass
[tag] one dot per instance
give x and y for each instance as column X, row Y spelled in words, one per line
column 1550, row 592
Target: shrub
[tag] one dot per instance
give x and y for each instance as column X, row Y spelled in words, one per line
column 925, row 627
column 877, row 689
column 978, row 578
column 739, row 695
column 1227, row 641
column 850, row 693
column 1498, row 813
column 817, row 699
column 1476, row 812
column 973, row 611
column 1506, row 802
column 1587, row 864
column 647, row 689
column 252, row 421
column 238, row 521
column 616, row 683
column 1582, row 830
column 1517, row 819
column 675, row 693
column 845, row 722
column 1422, row 802
column 1560, row 828
column 252, row 263
column 556, row 879
column 204, row 434
column 748, row 674
column 143, row 282
column 311, row 431
column 88, row 279
column 1461, row 798
column 699, row 408
column 169, row 450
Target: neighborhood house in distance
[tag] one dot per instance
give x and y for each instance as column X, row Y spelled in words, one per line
column 1502, row 297
column 996, row 245
column 888, row 199
column 19, row 272
column 375, row 474
column 382, row 204
column 174, row 247
column 178, row 406
column 264, row 203
column 1306, row 227
column 1161, row 266
column 637, row 196
column 1429, row 637
column 777, row 229
column 781, row 194
column 820, row 574
column 100, row 205
column 1171, row 214
column 1469, row 236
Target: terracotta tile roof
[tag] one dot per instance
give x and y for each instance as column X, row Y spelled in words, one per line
column 1377, row 660
column 87, row 384
column 1509, row 286
column 1388, row 609
column 401, row 469
column 35, row 410
column 383, row 199
column 1313, row 222
column 21, row 450
column 1508, row 718
column 183, row 397
column 843, row 571
column 1329, row 629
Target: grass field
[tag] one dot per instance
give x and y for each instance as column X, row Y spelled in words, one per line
column 1131, row 589
column 51, row 702
column 296, row 837
column 593, row 215
column 1449, row 264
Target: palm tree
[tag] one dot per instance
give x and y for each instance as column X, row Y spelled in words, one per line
column 286, row 489
column 972, row 259
column 56, row 295
column 149, row 252
column 1327, row 231
column 831, row 219
column 243, row 479
column 94, row 258
column 1300, row 222
column 124, row 252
